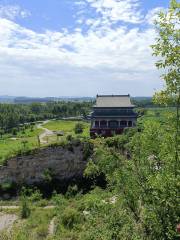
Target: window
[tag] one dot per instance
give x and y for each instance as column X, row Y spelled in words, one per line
column 96, row 124
column 113, row 124
column 123, row 123
column 103, row 123
column 130, row 124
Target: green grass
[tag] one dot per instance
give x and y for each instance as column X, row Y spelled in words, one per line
column 70, row 220
column 9, row 147
column 158, row 114
column 67, row 127
column 33, row 228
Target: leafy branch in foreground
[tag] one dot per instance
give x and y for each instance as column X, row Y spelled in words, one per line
column 167, row 48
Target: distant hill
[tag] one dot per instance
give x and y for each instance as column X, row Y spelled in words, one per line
column 28, row 100
column 6, row 99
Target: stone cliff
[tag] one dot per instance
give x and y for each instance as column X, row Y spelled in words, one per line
column 63, row 162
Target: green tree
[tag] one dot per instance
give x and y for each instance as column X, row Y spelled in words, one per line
column 78, row 128
column 167, row 48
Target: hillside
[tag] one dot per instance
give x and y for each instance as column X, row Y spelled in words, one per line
column 128, row 190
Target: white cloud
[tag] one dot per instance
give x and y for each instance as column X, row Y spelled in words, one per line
column 113, row 49
column 13, row 11
column 75, row 63
column 153, row 15
column 103, row 59
column 116, row 10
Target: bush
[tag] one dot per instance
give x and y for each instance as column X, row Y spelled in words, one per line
column 71, row 217
column 14, row 131
column 6, row 186
column 87, row 150
column 25, row 209
column 78, row 128
column 92, row 170
column 48, row 175
column 35, row 195
column 72, row 191
column 42, row 232
column 43, row 203
column 69, row 138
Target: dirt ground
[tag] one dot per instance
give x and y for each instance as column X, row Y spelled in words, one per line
column 7, row 220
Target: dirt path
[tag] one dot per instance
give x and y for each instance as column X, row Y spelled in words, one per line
column 9, row 207
column 7, row 220
column 47, row 133
column 51, row 228
column 17, row 207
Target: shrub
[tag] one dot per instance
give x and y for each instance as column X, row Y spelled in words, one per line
column 25, row 209
column 48, row 175
column 1, row 132
column 69, row 138
column 87, row 150
column 43, row 203
column 6, row 186
column 76, row 142
column 78, row 128
column 42, row 232
column 14, row 131
column 70, row 147
column 72, row 191
column 35, row 195
column 71, row 217
column 92, row 170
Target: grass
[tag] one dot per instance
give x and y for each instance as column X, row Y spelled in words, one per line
column 67, row 127
column 9, row 146
column 70, row 219
column 158, row 114
column 33, row 228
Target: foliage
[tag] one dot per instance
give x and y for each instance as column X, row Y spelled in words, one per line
column 140, row 201
column 6, row 186
column 48, row 175
column 78, row 128
column 12, row 116
column 71, row 217
column 167, row 47
column 141, row 197
column 87, row 150
column 72, row 190
column 25, row 209
column 67, row 126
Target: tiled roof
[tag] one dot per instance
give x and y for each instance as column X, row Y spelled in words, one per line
column 113, row 101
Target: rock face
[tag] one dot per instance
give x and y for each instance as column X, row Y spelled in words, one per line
column 62, row 162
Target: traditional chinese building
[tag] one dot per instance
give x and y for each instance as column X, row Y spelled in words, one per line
column 111, row 115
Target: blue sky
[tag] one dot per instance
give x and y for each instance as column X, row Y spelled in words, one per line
column 78, row 47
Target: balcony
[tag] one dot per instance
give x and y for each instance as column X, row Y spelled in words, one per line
column 112, row 124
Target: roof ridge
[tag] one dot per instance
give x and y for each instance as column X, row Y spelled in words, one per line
column 112, row 95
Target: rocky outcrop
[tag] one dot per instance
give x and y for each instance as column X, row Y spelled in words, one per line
column 62, row 163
